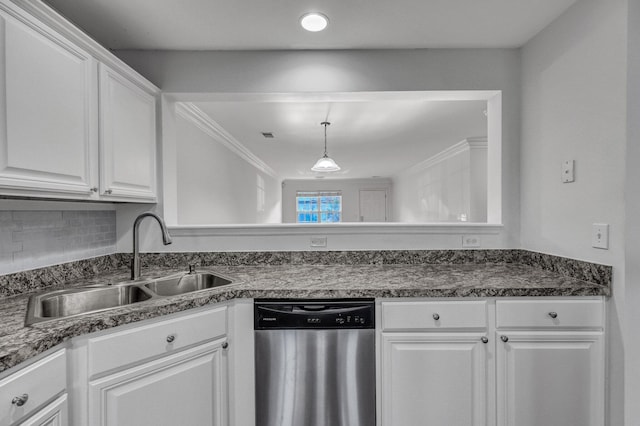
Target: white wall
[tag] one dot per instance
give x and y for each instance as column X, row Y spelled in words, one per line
column 448, row 187
column 350, row 71
column 215, row 185
column 574, row 108
column 632, row 226
column 350, row 195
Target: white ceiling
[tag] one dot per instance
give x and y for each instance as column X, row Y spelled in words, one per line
column 366, row 138
column 354, row 24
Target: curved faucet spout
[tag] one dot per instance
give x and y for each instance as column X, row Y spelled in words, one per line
column 166, row 240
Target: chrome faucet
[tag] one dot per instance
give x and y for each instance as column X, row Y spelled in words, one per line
column 166, row 240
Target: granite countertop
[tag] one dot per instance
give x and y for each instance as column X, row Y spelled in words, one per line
column 19, row 343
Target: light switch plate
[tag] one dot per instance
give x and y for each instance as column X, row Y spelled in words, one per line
column 600, row 236
column 470, row 241
column 318, row 241
column 567, row 171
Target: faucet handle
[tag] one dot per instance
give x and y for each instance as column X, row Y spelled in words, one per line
column 192, row 268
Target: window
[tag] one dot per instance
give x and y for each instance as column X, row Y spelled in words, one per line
column 319, row 207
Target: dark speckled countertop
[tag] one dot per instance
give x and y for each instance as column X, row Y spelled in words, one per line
column 19, row 343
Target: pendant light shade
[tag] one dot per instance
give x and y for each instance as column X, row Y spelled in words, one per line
column 325, row 164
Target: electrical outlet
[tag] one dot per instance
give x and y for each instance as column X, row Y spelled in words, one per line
column 470, row 241
column 600, row 236
column 318, row 241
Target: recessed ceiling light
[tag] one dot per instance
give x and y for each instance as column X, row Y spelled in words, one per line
column 314, row 21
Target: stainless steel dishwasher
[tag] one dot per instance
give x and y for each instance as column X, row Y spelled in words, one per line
column 315, row 362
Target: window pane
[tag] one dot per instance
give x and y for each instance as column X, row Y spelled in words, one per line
column 331, row 217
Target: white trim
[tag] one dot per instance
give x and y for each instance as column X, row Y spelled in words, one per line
column 204, row 122
column 354, row 228
column 458, row 148
column 54, row 205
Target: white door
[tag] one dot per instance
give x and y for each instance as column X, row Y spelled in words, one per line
column 54, row 414
column 48, row 100
column 373, row 205
column 433, row 379
column 186, row 389
column 127, row 138
column 551, row 379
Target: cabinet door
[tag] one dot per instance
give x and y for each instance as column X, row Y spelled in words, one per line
column 54, row 414
column 433, row 379
column 48, row 101
column 187, row 389
column 551, row 379
column 127, row 138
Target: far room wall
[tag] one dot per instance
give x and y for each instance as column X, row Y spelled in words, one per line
column 350, row 189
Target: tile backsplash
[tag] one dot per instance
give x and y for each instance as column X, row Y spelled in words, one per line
column 35, row 238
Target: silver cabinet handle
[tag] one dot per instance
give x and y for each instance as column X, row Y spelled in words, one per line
column 108, row 191
column 225, row 345
column 553, row 315
column 20, row 400
column 94, row 189
column 171, row 338
column 504, row 339
column 436, row 317
column 484, row 339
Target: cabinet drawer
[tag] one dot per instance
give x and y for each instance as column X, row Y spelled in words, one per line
column 549, row 313
column 40, row 381
column 134, row 345
column 398, row 316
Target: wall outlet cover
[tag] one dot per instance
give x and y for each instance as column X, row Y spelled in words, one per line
column 470, row 241
column 318, row 241
column 600, row 236
column 568, row 175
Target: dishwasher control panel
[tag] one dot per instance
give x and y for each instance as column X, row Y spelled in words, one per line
column 313, row 313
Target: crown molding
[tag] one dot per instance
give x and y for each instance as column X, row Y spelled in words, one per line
column 456, row 149
column 195, row 115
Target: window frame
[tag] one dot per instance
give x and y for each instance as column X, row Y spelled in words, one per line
column 318, row 195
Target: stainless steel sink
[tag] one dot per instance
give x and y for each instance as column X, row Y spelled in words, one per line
column 89, row 300
column 94, row 298
column 172, row 286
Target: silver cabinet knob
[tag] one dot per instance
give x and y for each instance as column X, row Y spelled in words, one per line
column 504, row 339
column 171, row 338
column 436, row 317
column 225, row 345
column 553, row 315
column 108, row 191
column 20, row 400
column 484, row 339
column 94, row 189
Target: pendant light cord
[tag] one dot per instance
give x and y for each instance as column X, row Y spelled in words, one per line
column 325, row 124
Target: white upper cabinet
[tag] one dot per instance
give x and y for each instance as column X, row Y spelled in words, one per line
column 47, row 109
column 75, row 122
column 127, row 137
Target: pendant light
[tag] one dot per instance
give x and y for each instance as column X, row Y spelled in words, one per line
column 325, row 164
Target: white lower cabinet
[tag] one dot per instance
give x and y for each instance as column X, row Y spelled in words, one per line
column 543, row 362
column 550, row 362
column 36, row 393
column 434, row 360
column 434, row 379
column 163, row 372
column 550, row 378
column 54, row 414
column 187, row 389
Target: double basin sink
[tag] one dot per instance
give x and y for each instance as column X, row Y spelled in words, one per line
column 99, row 297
